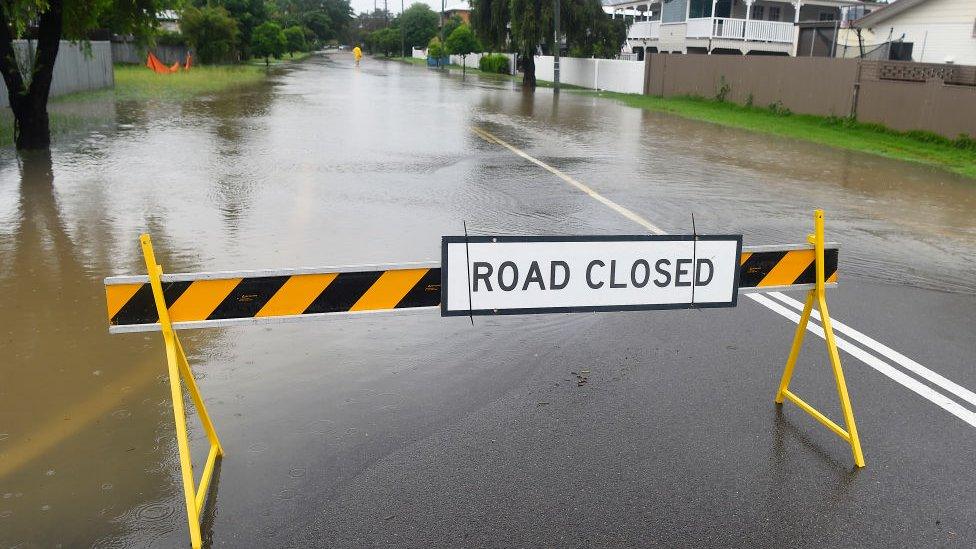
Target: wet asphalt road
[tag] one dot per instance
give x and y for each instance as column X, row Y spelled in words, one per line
column 413, row 430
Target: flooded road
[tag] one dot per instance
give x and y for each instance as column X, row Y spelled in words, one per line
column 409, row 430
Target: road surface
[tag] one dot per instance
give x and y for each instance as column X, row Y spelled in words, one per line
column 413, row 430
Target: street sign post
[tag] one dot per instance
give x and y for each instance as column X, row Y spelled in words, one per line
column 485, row 275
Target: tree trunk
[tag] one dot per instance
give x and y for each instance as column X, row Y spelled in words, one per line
column 28, row 97
column 528, row 66
column 31, row 122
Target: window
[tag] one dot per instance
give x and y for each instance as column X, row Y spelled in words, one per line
column 774, row 13
column 700, row 8
column 757, row 11
column 826, row 16
column 900, row 51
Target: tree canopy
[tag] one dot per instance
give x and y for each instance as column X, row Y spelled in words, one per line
column 385, row 41
column 248, row 14
column 269, row 41
column 527, row 25
column 419, row 24
column 211, row 31
column 463, row 42
column 295, row 37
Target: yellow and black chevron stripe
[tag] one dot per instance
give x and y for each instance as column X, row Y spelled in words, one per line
column 273, row 296
column 761, row 269
column 210, row 298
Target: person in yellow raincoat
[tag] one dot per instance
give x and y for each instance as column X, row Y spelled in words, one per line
column 357, row 53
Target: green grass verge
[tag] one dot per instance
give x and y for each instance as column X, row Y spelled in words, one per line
column 411, row 60
column 297, row 56
column 135, row 82
column 957, row 156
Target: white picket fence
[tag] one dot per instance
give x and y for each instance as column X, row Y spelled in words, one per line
column 74, row 69
column 598, row 74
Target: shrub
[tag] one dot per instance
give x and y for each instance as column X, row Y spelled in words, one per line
column 723, row 90
column 777, row 107
column 495, row 63
column 435, row 49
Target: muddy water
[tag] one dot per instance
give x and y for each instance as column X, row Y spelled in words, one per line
column 327, row 164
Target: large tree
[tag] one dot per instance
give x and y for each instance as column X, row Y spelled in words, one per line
column 29, row 72
column 526, row 25
column 419, row 24
column 211, row 31
column 325, row 18
column 249, row 15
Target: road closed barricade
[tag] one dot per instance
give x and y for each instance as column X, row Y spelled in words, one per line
column 481, row 275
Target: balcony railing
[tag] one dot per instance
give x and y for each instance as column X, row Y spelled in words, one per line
column 740, row 29
column 645, row 30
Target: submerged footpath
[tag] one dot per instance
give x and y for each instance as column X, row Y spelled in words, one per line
column 135, row 83
column 954, row 155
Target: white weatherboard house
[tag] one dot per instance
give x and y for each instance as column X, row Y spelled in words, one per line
column 931, row 31
column 756, row 27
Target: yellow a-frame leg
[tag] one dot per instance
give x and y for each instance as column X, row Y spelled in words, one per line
column 819, row 295
column 179, row 368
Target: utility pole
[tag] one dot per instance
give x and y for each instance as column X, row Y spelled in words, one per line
column 386, row 13
column 442, row 22
column 403, row 47
column 555, row 65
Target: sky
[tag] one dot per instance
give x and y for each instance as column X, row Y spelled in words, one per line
column 394, row 5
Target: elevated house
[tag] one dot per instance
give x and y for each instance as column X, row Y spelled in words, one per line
column 741, row 27
column 461, row 9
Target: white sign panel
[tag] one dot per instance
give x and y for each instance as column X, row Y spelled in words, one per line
column 485, row 275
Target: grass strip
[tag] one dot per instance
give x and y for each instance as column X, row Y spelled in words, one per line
column 955, row 155
column 137, row 83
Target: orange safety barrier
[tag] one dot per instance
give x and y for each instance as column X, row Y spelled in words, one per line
column 158, row 66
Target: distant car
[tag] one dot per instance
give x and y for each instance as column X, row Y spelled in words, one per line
column 343, row 47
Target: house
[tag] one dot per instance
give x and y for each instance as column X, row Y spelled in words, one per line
column 740, row 27
column 169, row 20
column 931, row 31
column 461, row 9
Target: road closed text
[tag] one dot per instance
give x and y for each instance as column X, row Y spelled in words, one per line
column 496, row 275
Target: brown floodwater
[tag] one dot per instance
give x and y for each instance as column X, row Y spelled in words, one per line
column 326, row 164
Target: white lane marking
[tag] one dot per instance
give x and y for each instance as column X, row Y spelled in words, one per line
column 910, row 383
column 888, row 352
column 561, row 175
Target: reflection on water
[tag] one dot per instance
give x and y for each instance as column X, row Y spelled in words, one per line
column 331, row 165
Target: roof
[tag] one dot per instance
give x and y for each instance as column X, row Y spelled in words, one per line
column 887, row 11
